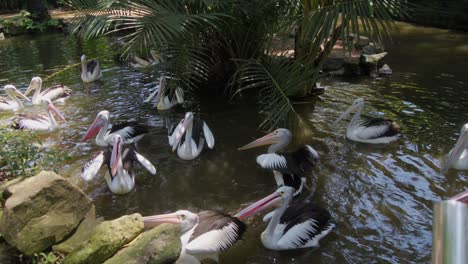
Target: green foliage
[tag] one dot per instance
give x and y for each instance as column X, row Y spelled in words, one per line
column 49, row 258
column 21, row 155
column 25, row 21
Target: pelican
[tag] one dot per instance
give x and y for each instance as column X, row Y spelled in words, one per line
column 38, row 122
column 196, row 133
column 129, row 131
column 373, row 130
column 298, row 225
column 164, row 100
column 141, row 63
column 12, row 102
column 289, row 168
column 90, row 70
column 57, row 93
column 120, row 177
column 203, row 235
column 458, row 156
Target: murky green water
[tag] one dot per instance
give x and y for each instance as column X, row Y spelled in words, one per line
column 380, row 196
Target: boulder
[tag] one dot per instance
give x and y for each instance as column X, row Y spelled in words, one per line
column 160, row 245
column 40, row 211
column 385, row 70
column 82, row 233
column 106, row 239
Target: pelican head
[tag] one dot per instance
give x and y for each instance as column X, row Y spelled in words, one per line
column 280, row 136
column 279, row 198
column 358, row 103
column 116, row 154
column 102, row 119
column 186, row 124
column 460, row 146
column 83, row 57
column 184, row 218
column 12, row 91
column 36, row 83
column 52, row 109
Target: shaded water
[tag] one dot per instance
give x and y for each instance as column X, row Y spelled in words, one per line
column 380, row 196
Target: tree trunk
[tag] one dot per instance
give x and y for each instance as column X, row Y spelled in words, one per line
column 38, row 10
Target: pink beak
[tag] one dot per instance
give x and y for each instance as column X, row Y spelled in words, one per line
column 271, row 200
column 154, row 220
column 180, row 133
column 93, row 129
column 265, row 140
column 115, row 156
column 56, row 111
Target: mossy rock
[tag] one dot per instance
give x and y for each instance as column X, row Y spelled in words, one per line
column 160, row 245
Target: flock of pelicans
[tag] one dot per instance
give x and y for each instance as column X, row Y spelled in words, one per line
column 295, row 223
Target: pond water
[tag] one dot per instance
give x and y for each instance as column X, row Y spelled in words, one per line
column 381, row 197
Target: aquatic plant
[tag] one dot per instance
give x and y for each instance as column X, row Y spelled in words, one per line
column 233, row 42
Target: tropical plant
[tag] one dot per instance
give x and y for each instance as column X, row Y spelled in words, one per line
column 234, row 41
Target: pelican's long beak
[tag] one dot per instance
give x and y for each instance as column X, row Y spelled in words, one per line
column 345, row 114
column 271, row 200
column 115, row 156
column 18, row 93
column 147, row 100
column 154, row 220
column 460, row 146
column 93, row 129
column 54, row 109
column 180, row 133
column 269, row 139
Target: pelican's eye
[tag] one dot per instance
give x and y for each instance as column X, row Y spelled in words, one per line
column 182, row 217
column 282, row 193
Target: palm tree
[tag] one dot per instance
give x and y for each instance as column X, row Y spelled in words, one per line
column 234, row 40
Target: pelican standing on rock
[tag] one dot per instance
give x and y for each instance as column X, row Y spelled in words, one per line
column 90, row 70
column 297, row 225
column 373, row 130
column 129, row 131
column 289, row 168
column 164, row 100
column 120, row 177
column 458, row 156
column 57, row 93
column 12, row 103
column 189, row 137
column 203, row 235
column 38, row 122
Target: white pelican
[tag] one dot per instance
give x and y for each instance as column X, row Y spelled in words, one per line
column 129, row 131
column 289, row 168
column 12, row 102
column 196, row 133
column 204, row 235
column 57, row 93
column 458, row 156
column 90, row 70
column 141, row 63
column 298, row 225
column 120, row 177
column 373, row 130
column 38, row 122
column 164, row 99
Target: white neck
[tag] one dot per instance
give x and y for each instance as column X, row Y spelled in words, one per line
column 188, row 137
column 53, row 122
column 100, row 140
column 356, row 117
column 185, row 237
column 37, row 94
column 84, row 68
column 16, row 100
column 270, row 230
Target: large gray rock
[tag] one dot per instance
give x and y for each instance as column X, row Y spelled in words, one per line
column 40, row 211
column 160, row 245
column 106, row 239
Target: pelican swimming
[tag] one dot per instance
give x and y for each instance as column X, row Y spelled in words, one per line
column 289, row 168
column 120, row 177
column 141, row 63
column 458, row 156
column 164, row 100
column 203, row 235
column 12, row 102
column 39, row 122
column 129, row 131
column 57, row 93
column 90, row 70
column 373, row 130
column 300, row 224
column 196, row 132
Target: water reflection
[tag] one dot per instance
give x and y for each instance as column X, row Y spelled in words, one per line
column 380, row 196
